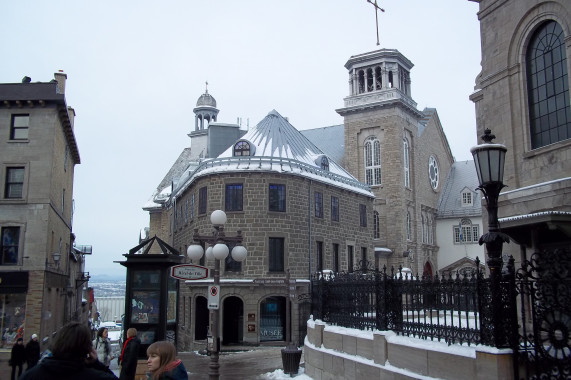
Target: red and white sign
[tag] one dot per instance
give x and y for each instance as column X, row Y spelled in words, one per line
column 214, row 297
column 189, row 272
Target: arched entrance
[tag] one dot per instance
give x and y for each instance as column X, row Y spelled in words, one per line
column 201, row 319
column 427, row 271
column 272, row 319
column 233, row 321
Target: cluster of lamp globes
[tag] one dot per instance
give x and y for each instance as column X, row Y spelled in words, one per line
column 220, row 250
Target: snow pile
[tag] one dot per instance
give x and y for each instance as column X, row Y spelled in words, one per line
column 279, row 374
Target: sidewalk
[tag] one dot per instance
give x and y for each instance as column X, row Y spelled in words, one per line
column 240, row 362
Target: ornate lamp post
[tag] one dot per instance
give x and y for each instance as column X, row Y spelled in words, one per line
column 489, row 159
column 218, row 250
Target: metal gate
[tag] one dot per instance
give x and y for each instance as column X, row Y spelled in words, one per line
column 544, row 286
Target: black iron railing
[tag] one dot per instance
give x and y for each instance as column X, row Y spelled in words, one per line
column 449, row 308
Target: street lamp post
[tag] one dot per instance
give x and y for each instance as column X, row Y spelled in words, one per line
column 218, row 250
column 489, row 159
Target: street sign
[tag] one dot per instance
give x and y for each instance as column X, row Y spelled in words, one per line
column 269, row 281
column 189, row 272
column 214, row 297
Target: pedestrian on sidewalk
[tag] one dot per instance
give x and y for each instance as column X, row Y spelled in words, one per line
column 32, row 351
column 73, row 357
column 103, row 346
column 129, row 354
column 163, row 364
column 17, row 357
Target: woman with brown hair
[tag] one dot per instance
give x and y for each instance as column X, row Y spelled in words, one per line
column 163, row 364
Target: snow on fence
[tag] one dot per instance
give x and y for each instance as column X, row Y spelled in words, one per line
column 443, row 308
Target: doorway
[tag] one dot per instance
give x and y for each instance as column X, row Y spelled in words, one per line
column 233, row 321
column 202, row 316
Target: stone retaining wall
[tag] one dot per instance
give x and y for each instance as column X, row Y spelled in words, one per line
column 332, row 352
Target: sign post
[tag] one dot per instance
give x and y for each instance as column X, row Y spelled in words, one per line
column 214, row 297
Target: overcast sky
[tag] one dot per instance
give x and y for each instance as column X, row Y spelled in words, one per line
column 136, row 68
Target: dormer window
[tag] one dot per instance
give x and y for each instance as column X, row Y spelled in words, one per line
column 242, row 148
column 324, row 163
column 467, row 198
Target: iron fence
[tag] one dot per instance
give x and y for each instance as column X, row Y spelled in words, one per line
column 449, row 308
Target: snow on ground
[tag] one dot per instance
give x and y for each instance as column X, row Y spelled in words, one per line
column 279, row 374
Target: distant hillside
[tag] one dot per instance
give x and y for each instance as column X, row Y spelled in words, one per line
column 105, row 277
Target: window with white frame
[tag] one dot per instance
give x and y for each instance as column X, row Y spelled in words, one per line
column 467, row 198
column 406, row 165
column 372, row 153
column 242, row 148
column 466, row 232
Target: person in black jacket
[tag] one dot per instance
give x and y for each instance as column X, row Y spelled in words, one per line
column 33, row 351
column 128, row 358
column 73, row 357
column 17, row 357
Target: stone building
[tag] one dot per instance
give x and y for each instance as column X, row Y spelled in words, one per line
column 298, row 212
column 522, row 95
column 401, row 152
column 42, row 274
column 391, row 162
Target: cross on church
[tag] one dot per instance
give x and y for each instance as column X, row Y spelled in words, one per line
column 377, row 9
column 207, row 87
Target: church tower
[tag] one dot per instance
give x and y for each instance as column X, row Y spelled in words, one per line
column 401, row 152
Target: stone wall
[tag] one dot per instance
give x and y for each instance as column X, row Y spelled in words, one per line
column 332, row 352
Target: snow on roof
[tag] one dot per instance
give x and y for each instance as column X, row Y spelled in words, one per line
column 534, row 215
column 276, row 146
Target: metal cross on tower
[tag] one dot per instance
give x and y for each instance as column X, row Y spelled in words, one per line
column 377, row 9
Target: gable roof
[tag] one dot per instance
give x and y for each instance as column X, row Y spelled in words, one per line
column 462, row 175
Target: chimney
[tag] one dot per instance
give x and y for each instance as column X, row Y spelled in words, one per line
column 71, row 114
column 60, row 77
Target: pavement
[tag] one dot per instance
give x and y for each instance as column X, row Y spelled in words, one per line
column 235, row 363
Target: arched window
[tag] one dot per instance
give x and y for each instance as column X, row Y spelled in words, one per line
column 361, row 81
column 548, row 86
column 423, row 229
column 241, row 148
column 370, row 80
column 376, row 226
column 408, row 227
column 378, row 78
column 372, row 161
column 466, row 232
column 406, row 165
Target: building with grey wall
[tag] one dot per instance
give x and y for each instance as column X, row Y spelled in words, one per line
column 42, row 278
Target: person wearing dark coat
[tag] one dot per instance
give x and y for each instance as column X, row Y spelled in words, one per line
column 128, row 358
column 73, row 357
column 17, row 357
column 33, row 351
